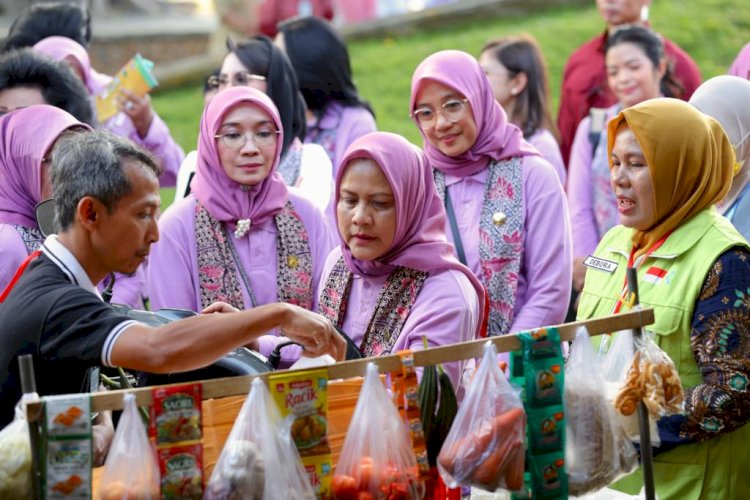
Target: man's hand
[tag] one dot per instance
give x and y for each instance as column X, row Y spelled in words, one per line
column 219, row 307
column 314, row 332
column 102, row 432
column 138, row 109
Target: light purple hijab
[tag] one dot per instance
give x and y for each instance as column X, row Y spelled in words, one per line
column 60, row 47
column 225, row 199
column 741, row 66
column 497, row 139
column 26, row 135
column 419, row 242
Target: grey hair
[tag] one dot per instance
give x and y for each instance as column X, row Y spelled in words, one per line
column 91, row 164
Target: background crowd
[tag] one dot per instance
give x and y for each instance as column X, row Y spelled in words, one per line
column 486, row 227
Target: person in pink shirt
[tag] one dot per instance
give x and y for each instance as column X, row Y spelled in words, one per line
column 507, row 214
column 241, row 237
column 136, row 120
column 394, row 278
column 741, row 65
column 336, row 114
column 518, row 75
column 637, row 70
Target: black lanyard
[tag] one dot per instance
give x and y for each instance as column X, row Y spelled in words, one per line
column 454, row 229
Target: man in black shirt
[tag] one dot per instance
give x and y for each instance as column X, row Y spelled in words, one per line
column 106, row 201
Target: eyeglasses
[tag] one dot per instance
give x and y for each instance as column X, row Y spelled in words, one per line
column 236, row 140
column 452, row 110
column 241, row 79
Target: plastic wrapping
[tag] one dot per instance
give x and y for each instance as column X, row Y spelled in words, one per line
column 15, row 454
column 130, row 470
column 598, row 451
column 485, row 446
column 259, row 460
column 377, row 458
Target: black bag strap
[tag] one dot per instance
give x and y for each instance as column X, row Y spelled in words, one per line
column 454, row 229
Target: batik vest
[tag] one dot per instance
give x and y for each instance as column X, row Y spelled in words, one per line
column 500, row 246
column 395, row 301
column 220, row 270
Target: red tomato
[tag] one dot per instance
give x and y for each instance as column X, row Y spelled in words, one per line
column 365, row 495
column 344, row 487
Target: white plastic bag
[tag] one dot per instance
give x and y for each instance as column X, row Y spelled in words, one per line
column 598, row 451
column 15, row 454
column 377, row 459
column 259, row 460
column 615, row 364
column 131, row 470
column 485, row 446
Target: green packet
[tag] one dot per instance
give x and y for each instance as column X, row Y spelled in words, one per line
column 544, row 380
column 540, row 344
column 67, row 446
column 548, row 476
column 546, row 429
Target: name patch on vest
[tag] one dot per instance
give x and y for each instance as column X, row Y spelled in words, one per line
column 600, row 264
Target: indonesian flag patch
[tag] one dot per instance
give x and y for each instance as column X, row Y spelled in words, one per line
column 655, row 275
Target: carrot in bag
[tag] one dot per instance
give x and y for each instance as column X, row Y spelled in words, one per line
column 488, row 433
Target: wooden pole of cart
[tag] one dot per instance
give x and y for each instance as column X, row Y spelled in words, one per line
column 647, row 457
column 240, row 385
column 28, row 386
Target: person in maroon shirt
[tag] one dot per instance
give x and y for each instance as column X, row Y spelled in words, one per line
column 584, row 84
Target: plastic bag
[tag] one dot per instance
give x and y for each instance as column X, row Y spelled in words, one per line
column 615, row 365
column 485, row 446
column 15, row 454
column 597, row 449
column 377, row 457
column 130, row 470
column 652, row 378
column 259, row 460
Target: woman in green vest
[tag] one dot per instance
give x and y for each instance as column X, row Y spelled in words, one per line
column 669, row 165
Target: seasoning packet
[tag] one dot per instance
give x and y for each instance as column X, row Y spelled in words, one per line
column 303, row 394
column 67, row 446
column 546, row 429
column 181, row 469
column 176, row 415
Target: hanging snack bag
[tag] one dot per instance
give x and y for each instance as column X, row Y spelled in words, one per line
column 598, row 451
column 130, row 470
column 259, row 460
column 377, row 461
column 176, row 414
column 485, row 446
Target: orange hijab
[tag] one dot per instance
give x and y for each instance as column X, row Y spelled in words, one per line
column 689, row 157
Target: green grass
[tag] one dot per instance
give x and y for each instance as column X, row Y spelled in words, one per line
column 711, row 31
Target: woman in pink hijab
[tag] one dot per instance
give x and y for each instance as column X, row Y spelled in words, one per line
column 741, row 66
column 26, row 140
column 507, row 214
column 394, row 278
column 240, row 237
column 136, row 120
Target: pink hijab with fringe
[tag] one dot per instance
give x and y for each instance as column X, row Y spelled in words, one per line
column 419, row 242
column 497, row 139
column 225, row 199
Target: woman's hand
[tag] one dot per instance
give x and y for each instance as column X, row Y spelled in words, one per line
column 138, row 109
column 314, row 332
column 219, row 307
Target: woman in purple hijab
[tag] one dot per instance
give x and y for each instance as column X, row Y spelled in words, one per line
column 240, row 237
column 507, row 214
column 136, row 120
column 394, row 278
column 741, row 65
column 26, row 140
